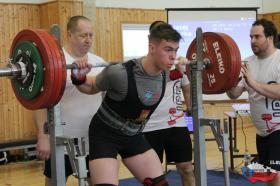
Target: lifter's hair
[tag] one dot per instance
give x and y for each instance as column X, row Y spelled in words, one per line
column 73, row 22
column 164, row 31
column 269, row 28
column 155, row 24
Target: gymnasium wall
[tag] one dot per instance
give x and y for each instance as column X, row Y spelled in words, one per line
column 274, row 17
column 15, row 121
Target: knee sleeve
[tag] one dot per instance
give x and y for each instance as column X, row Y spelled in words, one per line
column 105, row 184
column 158, row 181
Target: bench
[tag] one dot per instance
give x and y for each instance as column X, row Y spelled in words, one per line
column 17, row 144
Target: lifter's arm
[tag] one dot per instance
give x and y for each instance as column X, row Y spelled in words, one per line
column 85, row 84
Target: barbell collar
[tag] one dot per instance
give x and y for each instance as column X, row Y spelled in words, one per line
column 12, row 70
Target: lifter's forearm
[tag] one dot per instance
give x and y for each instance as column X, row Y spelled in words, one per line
column 89, row 86
column 186, row 94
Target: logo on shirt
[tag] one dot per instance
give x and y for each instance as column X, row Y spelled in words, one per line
column 177, row 91
column 150, row 96
column 176, row 112
column 174, row 115
column 268, row 117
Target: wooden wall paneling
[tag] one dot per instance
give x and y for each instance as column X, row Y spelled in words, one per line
column 66, row 10
column 58, row 12
column 49, row 14
column 274, row 17
column 108, row 33
column 2, row 80
column 115, row 31
column 14, row 120
column 101, row 32
column 276, row 20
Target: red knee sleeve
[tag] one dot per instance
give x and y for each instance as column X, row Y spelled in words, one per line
column 158, row 181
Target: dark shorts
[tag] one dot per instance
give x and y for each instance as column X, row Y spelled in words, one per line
column 106, row 142
column 269, row 150
column 176, row 143
column 68, row 168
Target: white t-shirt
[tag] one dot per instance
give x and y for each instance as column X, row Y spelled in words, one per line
column 169, row 112
column 265, row 111
column 78, row 108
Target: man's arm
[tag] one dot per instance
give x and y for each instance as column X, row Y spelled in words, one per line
column 43, row 143
column 89, row 86
column 185, row 86
column 268, row 90
column 186, row 94
column 85, row 84
column 235, row 92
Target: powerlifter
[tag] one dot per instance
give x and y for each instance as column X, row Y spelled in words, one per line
column 134, row 90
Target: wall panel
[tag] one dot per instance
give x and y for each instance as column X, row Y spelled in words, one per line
column 108, row 33
column 15, row 121
column 59, row 13
column 274, row 17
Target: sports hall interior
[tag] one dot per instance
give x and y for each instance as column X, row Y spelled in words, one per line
column 16, row 122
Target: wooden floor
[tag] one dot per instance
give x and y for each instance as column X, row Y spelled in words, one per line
column 30, row 173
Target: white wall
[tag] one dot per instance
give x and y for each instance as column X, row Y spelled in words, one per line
column 271, row 6
column 266, row 6
column 25, row 1
column 162, row 4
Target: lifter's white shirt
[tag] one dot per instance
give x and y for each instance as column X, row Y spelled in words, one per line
column 169, row 112
column 264, row 71
column 78, row 108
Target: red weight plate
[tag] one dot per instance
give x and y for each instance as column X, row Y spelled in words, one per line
column 218, row 73
column 235, row 74
column 45, row 40
column 56, row 84
column 236, row 61
column 60, row 68
column 38, row 102
column 231, row 58
column 62, row 71
column 238, row 67
column 45, row 36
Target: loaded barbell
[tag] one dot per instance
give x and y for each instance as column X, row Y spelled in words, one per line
column 38, row 67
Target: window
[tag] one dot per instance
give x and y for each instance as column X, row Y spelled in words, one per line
column 135, row 40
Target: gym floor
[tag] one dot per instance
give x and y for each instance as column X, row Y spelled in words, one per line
column 30, row 173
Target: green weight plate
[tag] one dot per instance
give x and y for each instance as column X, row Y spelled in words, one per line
column 42, row 99
column 29, row 86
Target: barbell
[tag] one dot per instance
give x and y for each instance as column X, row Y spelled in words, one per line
column 38, row 68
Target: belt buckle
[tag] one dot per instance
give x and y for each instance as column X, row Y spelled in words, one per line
column 124, row 126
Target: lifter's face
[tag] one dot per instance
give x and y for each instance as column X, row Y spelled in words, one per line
column 81, row 39
column 259, row 42
column 164, row 53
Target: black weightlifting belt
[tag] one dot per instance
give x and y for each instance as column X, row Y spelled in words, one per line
column 114, row 120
